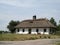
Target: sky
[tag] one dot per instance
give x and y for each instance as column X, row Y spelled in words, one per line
column 19, row 10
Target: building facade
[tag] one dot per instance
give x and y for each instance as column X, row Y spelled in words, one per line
column 34, row 26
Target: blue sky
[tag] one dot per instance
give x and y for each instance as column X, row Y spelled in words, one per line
column 25, row 9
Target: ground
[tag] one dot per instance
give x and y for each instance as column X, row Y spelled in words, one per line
column 20, row 37
column 30, row 42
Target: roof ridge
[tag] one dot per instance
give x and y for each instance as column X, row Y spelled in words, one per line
column 34, row 20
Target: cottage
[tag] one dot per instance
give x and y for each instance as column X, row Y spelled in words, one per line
column 34, row 26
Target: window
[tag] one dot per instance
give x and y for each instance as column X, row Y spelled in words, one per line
column 37, row 30
column 44, row 30
column 18, row 30
column 23, row 30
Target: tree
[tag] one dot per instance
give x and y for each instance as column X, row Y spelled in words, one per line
column 58, row 26
column 58, row 29
column 12, row 25
column 52, row 20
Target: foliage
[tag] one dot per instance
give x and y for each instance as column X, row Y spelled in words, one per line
column 1, row 32
column 58, row 26
column 12, row 25
column 52, row 20
column 53, row 30
column 20, row 37
column 58, row 29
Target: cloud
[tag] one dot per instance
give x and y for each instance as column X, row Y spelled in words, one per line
column 25, row 9
column 18, row 3
column 31, row 3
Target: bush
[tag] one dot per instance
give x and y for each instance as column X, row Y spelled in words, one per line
column 45, row 37
column 32, row 38
column 49, row 37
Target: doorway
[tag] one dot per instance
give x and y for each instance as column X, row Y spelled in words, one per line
column 29, row 31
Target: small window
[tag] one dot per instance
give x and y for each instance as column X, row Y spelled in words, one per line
column 44, row 30
column 37, row 30
column 18, row 30
column 23, row 30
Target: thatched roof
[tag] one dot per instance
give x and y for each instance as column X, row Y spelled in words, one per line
column 38, row 23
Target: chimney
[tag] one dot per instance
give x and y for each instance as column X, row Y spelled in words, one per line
column 34, row 17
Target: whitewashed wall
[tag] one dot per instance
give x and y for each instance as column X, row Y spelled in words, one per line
column 21, row 31
column 33, row 31
column 47, row 32
column 41, row 31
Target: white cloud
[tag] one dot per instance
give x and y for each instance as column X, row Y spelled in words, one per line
column 10, row 10
column 19, row 3
column 29, row 3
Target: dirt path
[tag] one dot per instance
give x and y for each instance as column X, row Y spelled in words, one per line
column 30, row 42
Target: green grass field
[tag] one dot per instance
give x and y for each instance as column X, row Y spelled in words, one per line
column 20, row 37
column 58, row 44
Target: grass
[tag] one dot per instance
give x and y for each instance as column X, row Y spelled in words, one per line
column 58, row 44
column 20, row 37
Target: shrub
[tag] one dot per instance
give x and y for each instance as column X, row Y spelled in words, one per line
column 45, row 37
column 49, row 37
column 32, row 38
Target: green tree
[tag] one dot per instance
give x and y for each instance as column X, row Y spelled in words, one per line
column 52, row 20
column 12, row 25
column 58, row 26
column 58, row 29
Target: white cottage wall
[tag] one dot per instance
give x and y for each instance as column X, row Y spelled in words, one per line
column 33, row 31
column 47, row 31
column 21, row 31
column 41, row 30
column 26, row 31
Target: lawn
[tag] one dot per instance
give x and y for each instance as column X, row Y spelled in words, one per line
column 20, row 37
column 57, row 43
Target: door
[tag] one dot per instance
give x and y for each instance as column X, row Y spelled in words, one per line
column 29, row 31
